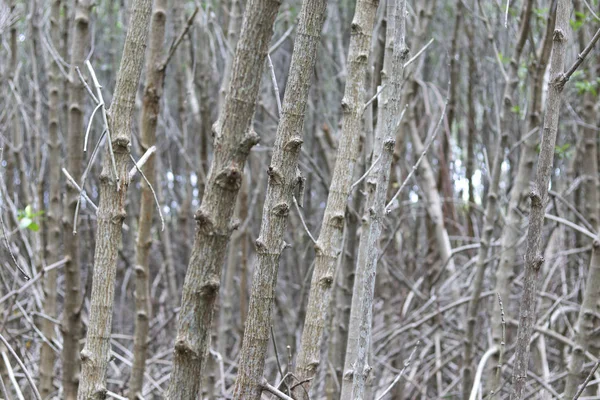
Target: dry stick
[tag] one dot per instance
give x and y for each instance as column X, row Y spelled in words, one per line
column 496, row 383
column 479, row 373
column 539, row 196
column 25, row 372
column 4, row 230
column 104, row 118
column 179, row 38
column 422, row 156
column 273, row 390
column 587, row 380
column 140, row 163
column 11, row 376
column 302, row 220
column 83, row 178
column 406, row 365
column 74, row 183
column 162, row 220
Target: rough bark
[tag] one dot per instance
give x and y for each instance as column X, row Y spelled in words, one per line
column 155, row 74
column 490, row 209
column 588, row 320
column 329, row 243
column 284, row 180
column 377, row 188
column 234, row 137
column 539, row 199
column 71, row 323
column 47, row 355
column 111, row 210
column 233, row 32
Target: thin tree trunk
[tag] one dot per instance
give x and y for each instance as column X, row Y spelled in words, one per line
column 487, row 231
column 284, row 180
column 368, row 220
column 155, row 75
column 234, row 137
column 233, row 32
column 328, row 246
column 588, row 320
column 539, row 199
column 377, row 187
column 518, row 195
column 111, row 210
column 71, row 324
column 53, row 224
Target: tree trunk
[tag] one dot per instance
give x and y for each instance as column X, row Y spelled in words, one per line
column 539, row 199
column 71, row 323
column 234, row 137
column 329, row 243
column 47, row 355
column 111, row 210
column 284, row 179
column 588, row 321
column 155, row 75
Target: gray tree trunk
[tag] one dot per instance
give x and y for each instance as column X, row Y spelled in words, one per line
column 111, row 210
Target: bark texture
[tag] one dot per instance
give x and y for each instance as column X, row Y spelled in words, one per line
column 284, row 180
column 539, row 198
column 111, row 210
column 155, row 74
column 588, row 321
column 329, row 243
column 71, row 323
column 53, row 243
column 234, row 138
column 487, row 231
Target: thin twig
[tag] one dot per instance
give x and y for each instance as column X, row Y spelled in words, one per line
column 82, row 193
column 83, row 178
column 4, row 230
column 140, row 163
column 421, row 157
column 413, row 58
column 303, row 222
column 179, row 38
column 104, row 117
column 365, row 174
column 406, row 365
column 580, row 58
column 25, row 372
column 89, row 127
column 273, row 390
column 162, row 220
column 496, row 383
column 587, row 380
column 275, row 87
column 379, row 90
column 277, row 358
column 87, row 87
column 479, row 373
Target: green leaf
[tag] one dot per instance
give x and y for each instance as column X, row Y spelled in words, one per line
column 33, row 227
column 28, row 210
column 25, row 222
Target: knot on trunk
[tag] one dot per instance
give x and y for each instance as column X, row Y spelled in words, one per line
column 229, row 178
column 250, row 140
column 183, row 347
column 281, row 210
column 294, row 144
column 204, row 221
column 275, row 176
